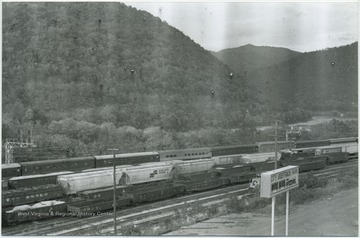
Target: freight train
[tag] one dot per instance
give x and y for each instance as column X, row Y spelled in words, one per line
column 89, row 192
column 81, row 163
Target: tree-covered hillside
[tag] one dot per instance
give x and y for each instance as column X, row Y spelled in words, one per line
column 109, row 62
column 91, row 73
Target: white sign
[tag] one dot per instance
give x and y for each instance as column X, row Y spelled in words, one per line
column 278, row 181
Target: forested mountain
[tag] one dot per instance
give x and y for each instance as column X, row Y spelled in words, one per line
column 109, row 62
column 323, row 80
column 82, row 73
column 250, row 57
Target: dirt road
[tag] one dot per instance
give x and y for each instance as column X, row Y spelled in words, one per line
column 335, row 215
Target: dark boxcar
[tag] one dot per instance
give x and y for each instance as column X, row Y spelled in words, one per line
column 270, row 146
column 154, row 193
column 35, row 180
column 126, row 159
column 32, row 213
column 313, row 143
column 233, row 150
column 202, row 181
column 185, row 154
column 51, row 166
column 30, row 195
column 93, row 207
column 10, row 170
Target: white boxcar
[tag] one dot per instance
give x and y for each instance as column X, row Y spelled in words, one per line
column 147, row 173
column 194, row 166
column 74, row 183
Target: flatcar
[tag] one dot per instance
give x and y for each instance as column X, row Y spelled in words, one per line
column 35, row 180
column 233, row 150
column 51, row 166
column 34, row 212
column 10, row 170
column 312, row 143
column 126, row 159
column 185, row 154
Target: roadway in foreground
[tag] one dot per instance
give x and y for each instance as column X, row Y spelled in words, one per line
column 332, row 215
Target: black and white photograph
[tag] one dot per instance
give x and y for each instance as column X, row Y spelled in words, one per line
column 206, row 118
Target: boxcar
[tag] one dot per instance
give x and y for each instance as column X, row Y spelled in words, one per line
column 270, row 146
column 312, row 143
column 35, row 180
column 238, row 173
column 185, row 154
column 35, row 212
column 51, row 166
column 233, row 150
column 126, row 159
column 30, row 195
column 10, row 170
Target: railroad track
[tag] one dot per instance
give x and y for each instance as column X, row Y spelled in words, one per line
column 157, row 210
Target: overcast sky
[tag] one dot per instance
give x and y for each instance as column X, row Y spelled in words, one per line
column 298, row 26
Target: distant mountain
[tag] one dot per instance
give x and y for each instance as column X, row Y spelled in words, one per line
column 250, row 57
column 323, row 80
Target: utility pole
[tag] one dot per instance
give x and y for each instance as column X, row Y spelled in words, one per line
column 114, row 199
column 276, row 129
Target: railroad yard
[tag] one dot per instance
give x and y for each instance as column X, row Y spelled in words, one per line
column 175, row 216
